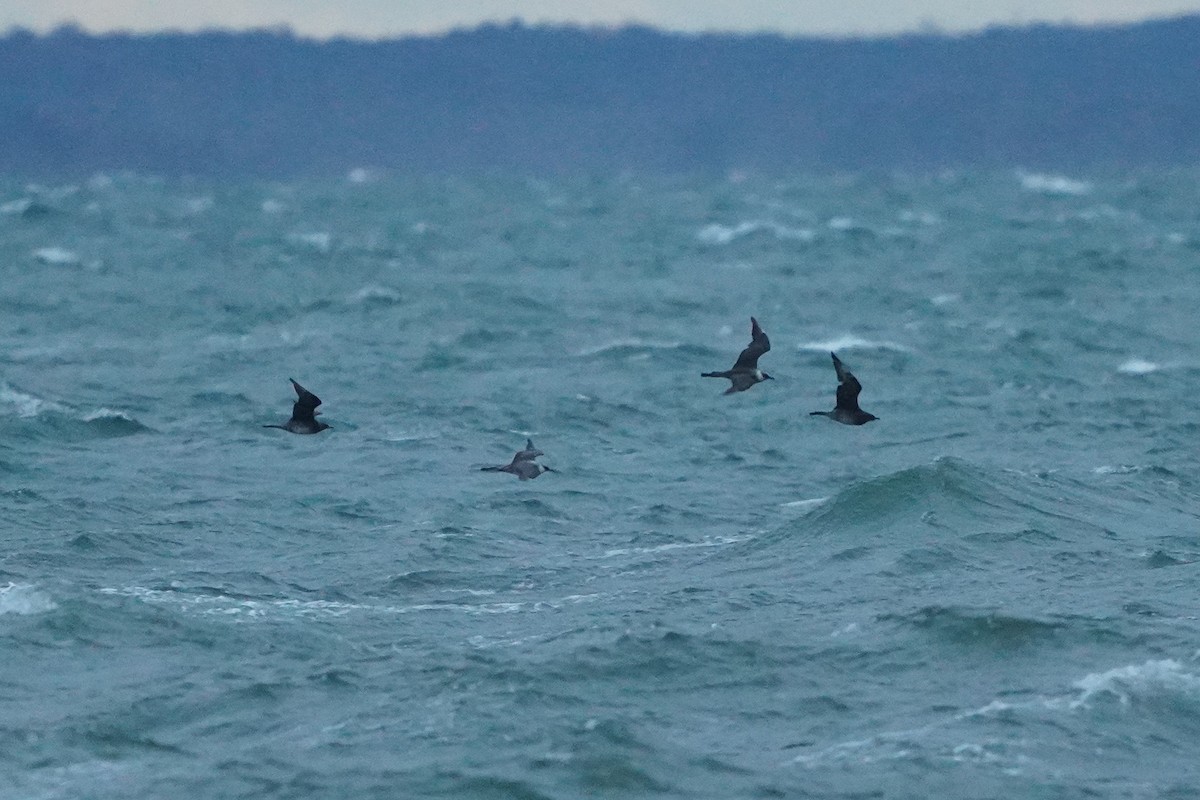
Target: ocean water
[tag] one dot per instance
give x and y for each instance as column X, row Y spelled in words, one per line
column 991, row 592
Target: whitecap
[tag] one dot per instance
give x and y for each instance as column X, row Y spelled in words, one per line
column 16, row 206
column 805, row 504
column 362, row 175
column 851, row 342
column 27, row 405
column 992, row 708
column 920, row 217
column 375, row 294
column 53, row 192
column 1138, row 680
column 625, row 344
column 225, row 606
column 318, row 240
column 1115, row 469
column 1052, row 184
column 716, row 234
column 56, row 256
column 719, row 541
column 107, row 413
column 410, row 437
column 1138, row 366
column 944, row 299
column 24, row 599
column 270, row 206
column 195, row 206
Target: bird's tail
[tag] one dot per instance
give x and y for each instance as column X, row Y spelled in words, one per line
column 491, row 469
column 820, row 413
column 281, row 427
column 714, row 374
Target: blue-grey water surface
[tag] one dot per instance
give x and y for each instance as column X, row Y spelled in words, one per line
column 989, row 593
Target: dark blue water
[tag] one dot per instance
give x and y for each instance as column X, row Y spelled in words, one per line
column 991, row 592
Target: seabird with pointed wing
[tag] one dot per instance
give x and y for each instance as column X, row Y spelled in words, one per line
column 523, row 464
column 846, row 410
column 745, row 372
column 529, row 453
column 304, row 413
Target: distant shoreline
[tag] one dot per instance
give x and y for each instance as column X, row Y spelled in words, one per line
column 556, row 99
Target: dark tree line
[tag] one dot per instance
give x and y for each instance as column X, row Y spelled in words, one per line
column 567, row 99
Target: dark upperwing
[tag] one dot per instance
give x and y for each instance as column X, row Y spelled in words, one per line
column 528, row 454
column 305, row 407
column 848, row 386
column 759, row 344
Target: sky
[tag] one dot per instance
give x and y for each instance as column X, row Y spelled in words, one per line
column 384, row 18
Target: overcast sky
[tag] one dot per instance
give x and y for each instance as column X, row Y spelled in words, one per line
column 376, row 18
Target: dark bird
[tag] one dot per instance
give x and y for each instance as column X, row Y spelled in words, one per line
column 304, row 413
column 846, row 411
column 745, row 372
column 529, row 453
column 523, row 464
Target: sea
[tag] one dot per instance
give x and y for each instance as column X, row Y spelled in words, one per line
column 993, row 591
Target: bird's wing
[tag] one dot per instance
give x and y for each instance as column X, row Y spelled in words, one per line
column 306, row 404
column 848, row 386
column 528, row 454
column 759, row 344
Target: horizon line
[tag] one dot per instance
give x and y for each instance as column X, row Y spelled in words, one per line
column 926, row 29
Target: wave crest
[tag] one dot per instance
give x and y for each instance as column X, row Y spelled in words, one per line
column 945, row 486
column 1151, row 680
column 59, row 419
column 24, row 599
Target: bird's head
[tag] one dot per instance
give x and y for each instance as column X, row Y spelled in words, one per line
column 767, row 377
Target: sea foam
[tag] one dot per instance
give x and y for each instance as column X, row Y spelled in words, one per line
column 24, row 599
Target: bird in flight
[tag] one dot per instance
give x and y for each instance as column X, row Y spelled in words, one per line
column 304, row 413
column 846, row 410
column 745, row 372
column 523, row 464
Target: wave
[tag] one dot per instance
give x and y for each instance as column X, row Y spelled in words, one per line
column 948, row 487
column 947, row 514
column 805, row 505
column 27, row 208
column 27, row 405
column 1165, row 689
column 57, row 257
column 719, row 541
column 633, row 347
column 1147, row 682
column 987, row 628
column 214, row 602
column 851, row 226
column 375, row 295
column 1053, row 184
column 57, row 417
column 24, row 599
column 1138, row 366
column 320, row 241
column 851, row 342
column 716, row 234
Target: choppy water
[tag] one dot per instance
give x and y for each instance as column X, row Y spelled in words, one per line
column 991, row 592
